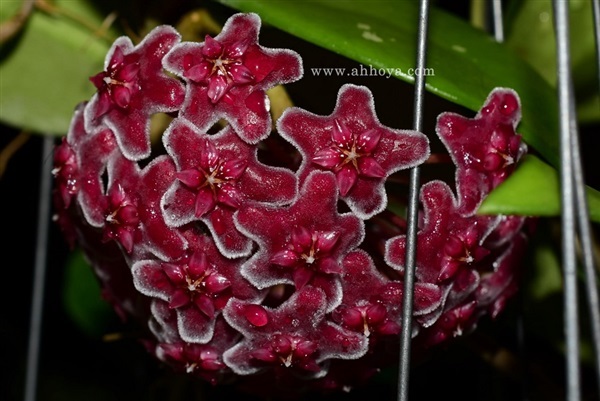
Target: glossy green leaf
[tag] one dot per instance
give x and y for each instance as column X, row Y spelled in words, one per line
column 465, row 63
column 45, row 69
column 82, row 297
column 534, row 190
column 9, row 8
column 531, row 35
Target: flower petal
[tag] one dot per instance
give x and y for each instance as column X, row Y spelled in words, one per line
column 240, row 74
column 205, row 202
column 369, row 167
column 205, row 305
column 217, row 87
column 212, row 49
column 368, row 140
column 198, row 72
column 328, row 158
column 285, row 258
column 341, row 135
column 346, row 179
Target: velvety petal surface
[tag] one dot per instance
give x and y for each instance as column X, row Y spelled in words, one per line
column 228, row 176
column 297, row 228
column 486, row 148
column 353, row 144
column 295, row 336
column 227, row 77
column 133, row 87
column 197, row 286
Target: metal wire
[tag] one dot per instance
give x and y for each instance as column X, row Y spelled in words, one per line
column 497, row 20
column 585, row 232
column 37, row 297
column 413, row 204
column 568, row 128
column 596, row 11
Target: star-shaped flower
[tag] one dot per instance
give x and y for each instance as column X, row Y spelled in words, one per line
column 130, row 221
column 227, row 77
column 303, row 243
column 203, row 360
column 353, row 144
column 452, row 323
column 121, row 217
column 132, row 87
column 78, row 164
column 485, row 148
column 498, row 285
column 216, row 175
column 65, row 172
column 294, row 336
column 446, row 243
column 372, row 303
column 196, row 286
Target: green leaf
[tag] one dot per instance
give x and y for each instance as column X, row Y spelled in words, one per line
column 465, row 63
column 9, row 8
column 45, row 69
column 531, row 35
column 533, row 190
column 82, row 297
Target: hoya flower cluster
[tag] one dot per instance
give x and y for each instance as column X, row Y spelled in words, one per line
column 242, row 269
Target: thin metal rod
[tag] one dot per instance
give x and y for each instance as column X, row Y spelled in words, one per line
column 498, row 20
column 37, row 298
column 498, row 29
column 585, row 232
column 413, row 205
column 596, row 8
column 569, row 260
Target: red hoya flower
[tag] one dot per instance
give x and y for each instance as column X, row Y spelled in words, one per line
column 353, row 144
column 216, row 175
column 133, row 87
column 303, row 243
column 280, row 281
column 227, row 77
column 197, row 286
column 295, row 336
column 486, row 148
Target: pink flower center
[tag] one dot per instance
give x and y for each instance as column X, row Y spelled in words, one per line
column 363, row 318
column 221, row 68
column 288, row 348
column 289, row 351
column 307, row 254
column 307, row 249
column 118, row 83
column 503, row 149
column 214, row 179
column 461, row 250
column 122, row 210
column 350, row 155
column 195, row 283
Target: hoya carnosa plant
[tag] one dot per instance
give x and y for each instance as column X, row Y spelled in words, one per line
column 239, row 269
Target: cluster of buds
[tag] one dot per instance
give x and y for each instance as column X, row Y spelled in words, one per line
column 288, row 272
